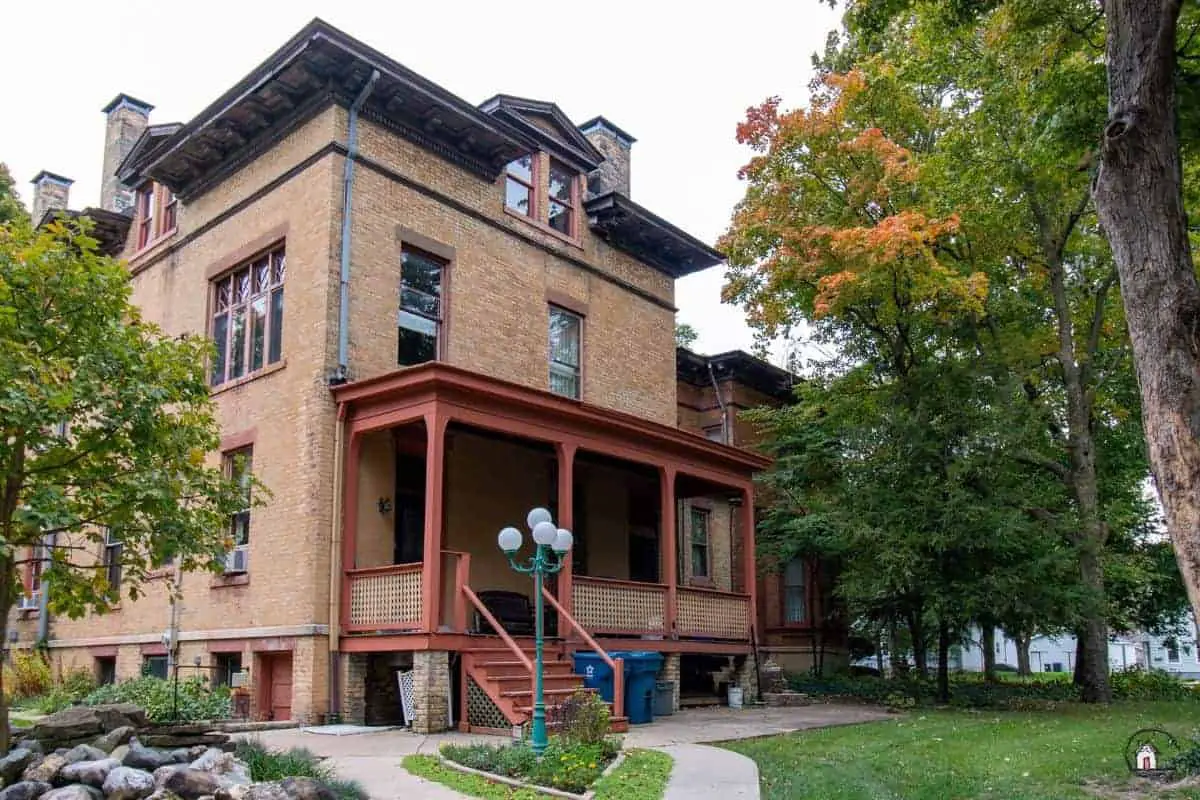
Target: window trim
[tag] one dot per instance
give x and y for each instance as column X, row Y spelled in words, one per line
column 783, row 594
column 146, row 218
column 540, row 219
column 111, row 564
column 440, row 326
column 152, row 203
column 550, row 362
column 535, row 163
column 228, row 465
column 214, row 282
column 706, row 513
column 572, row 203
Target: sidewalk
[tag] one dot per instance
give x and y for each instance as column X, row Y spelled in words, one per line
column 702, row 772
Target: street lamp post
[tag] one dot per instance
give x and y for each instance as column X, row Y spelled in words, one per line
column 552, row 543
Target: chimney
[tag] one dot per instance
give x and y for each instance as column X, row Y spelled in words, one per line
column 127, row 118
column 50, row 192
column 614, row 144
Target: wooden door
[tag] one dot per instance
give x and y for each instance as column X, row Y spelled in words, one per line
column 278, row 691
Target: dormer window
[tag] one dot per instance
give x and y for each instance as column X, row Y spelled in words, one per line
column 562, row 199
column 145, row 212
column 519, row 186
column 544, row 190
column 157, row 213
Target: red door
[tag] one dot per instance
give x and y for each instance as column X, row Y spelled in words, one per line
column 278, row 694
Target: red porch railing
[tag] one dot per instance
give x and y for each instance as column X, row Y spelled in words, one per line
column 384, row 598
column 714, row 614
column 617, row 665
column 610, row 606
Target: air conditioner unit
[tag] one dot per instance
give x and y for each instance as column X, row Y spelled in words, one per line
column 25, row 602
column 237, row 559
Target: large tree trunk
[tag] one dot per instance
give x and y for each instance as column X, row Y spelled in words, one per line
column 1093, row 651
column 1139, row 197
column 896, row 654
column 1023, row 641
column 943, row 665
column 988, row 645
column 7, row 596
column 916, row 630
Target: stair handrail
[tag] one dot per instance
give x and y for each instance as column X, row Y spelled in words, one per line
column 617, row 665
column 498, row 628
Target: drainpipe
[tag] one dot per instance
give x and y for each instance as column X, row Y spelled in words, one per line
column 347, row 192
column 720, row 402
column 335, row 564
column 43, row 636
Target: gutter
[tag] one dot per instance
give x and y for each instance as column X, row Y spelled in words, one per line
column 335, row 566
column 342, row 374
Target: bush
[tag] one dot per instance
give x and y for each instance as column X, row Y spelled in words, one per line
column 28, row 675
column 196, row 700
column 1138, row 684
column 69, row 690
column 568, row 765
column 274, row 765
column 583, row 718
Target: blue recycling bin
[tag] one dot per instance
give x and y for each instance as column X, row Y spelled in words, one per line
column 641, row 674
column 596, row 674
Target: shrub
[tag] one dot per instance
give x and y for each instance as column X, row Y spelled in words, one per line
column 583, row 718
column 1138, row 684
column 568, row 765
column 273, row 765
column 28, row 675
column 196, row 700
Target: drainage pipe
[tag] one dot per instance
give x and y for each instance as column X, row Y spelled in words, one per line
column 43, row 636
column 335, row 564
column 347, row 193
column 720, row 402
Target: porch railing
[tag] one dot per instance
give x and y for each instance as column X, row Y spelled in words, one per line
column 383, row 598
column 610, row 606
column 617, row 665
column 712, row 614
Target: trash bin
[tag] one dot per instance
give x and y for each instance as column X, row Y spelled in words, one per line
column 596, row 674
column 664, row 698
column 641, row 670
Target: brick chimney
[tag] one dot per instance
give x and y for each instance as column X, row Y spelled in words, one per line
column 127, row 118
column 615, row 144
column 50, row 191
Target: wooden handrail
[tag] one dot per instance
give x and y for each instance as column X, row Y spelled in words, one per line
column 644, row 585
column 717, row 592
column 504, row 637
column 385, row 569
column 616, row 665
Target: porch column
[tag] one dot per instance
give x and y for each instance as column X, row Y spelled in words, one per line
column 349, row 521
column 749, row 555
column 431, row 570
column 670, row 543
column 566, row 519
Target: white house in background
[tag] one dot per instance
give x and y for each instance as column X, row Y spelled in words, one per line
column 1048, row 653
column 1178, row 654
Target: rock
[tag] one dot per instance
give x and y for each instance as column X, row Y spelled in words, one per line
column 32, row 745
column 196, row 751
column 93, row 773
column 119, row 752
column 257, row 791
column 70, row 723
column 162, row 794
column 44, row 770
column 114, row 738
column 171, row 741
column 140, row 757
column 13, row 764
column 181, row 755
column 190, row 784
column 25, row 790
column 84, row 752
column 120, row 715
column 229, row 771
column 306, row 789
column 75, row 791
column 127, row 783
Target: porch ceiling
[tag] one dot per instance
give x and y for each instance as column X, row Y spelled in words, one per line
column 454, row 394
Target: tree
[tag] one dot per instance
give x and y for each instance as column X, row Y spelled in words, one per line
column 107, row 427
column 685, row 335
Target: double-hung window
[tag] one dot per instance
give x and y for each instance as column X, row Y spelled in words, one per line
column 519, row 186
column 561, row 208
column 112, row 560
column 247, row 322
column 698, row 539
column 145, row 215
column 566, row 335
column 420, row 318
column 795, row 598
column 239, row 465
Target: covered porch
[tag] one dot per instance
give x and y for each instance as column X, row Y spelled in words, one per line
column 438, row 460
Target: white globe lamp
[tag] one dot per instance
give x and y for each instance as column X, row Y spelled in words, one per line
column 510, row 540
column 562, row 541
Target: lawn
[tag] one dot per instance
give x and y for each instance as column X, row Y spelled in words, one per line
column 959, row 755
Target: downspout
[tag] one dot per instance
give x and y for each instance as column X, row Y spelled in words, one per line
column 43, row 637
column 342, row 374
column 720, row 402
column 335, row 566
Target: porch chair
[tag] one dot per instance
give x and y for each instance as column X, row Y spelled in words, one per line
column 514, row 611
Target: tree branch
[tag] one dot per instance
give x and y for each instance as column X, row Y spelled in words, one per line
column 1051, row 466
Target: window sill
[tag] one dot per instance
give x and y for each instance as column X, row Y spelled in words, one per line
column 253, row 376
column 150, row 248
column 544, row 228
column 225, row 581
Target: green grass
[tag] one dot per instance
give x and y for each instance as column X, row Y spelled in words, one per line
column 642, row 776
column 939, row 755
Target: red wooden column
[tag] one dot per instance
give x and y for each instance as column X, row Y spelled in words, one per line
column 670, row 543
column 431, row 571
column 350, row 469
column 749, row 555
column 566, row 519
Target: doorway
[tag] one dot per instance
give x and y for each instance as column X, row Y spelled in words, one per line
column 275, row 686
column 409, row 541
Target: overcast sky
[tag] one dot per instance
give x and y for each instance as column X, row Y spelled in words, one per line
column 677, row 76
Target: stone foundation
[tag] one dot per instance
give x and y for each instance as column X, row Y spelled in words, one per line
column 670, row 672
column 746, row 676
column 354, row 688
column 431, row 691
column 786, row 699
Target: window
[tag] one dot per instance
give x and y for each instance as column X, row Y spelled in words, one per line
column 561, row 208
column 170, row 207
column 1172, row 652
column 239, row 465
column 106, row 670
column 226, row 665
column 420, row 306
column 565, row 333
column 112, row 561
column 715, row 434
column 699, row 542
column 795, row 609
column 145, row 214
column 247, row 323
column 519, row 183
column 155, row 666
column 33, row 577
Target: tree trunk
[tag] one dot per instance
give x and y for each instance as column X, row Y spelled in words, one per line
column 943, row 665
column 7, row 581
column 879, row 657
column 1023, row 640
column 1139, row 197
column 899, row 662
column 920, row 652
column 988, row 645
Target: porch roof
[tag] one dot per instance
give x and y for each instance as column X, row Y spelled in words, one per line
column 408, row 394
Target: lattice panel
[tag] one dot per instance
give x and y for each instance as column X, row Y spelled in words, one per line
column 386, row 598
column 481, row 711
column 619, row 607
column 715, row 615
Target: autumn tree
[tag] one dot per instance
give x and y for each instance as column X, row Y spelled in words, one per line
column 107, row 430
column 685, row 335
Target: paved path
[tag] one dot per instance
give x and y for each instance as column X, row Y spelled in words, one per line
column 702, row 772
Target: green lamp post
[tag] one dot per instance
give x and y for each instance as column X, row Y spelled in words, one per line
column 552, row 543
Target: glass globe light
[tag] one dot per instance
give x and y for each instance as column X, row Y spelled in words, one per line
column 538, row 515
column 545, row 533
column 563, row 541
column 510, row 540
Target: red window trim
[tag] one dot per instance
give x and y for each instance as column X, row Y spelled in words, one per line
column 535, row 171
column 214, row 284
column 572, row 203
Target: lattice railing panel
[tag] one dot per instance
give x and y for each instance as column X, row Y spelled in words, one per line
column 389, row 598
column 482, row 712
column 619, row 607
column 719, row 616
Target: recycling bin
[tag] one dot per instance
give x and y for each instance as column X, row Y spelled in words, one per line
column 641, row 673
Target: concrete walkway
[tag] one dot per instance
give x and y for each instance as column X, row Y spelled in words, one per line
column 702, row 772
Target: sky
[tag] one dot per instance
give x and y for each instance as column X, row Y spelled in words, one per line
column 678, row 76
